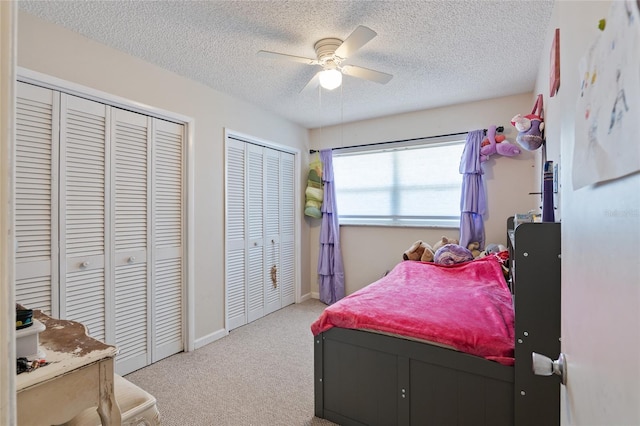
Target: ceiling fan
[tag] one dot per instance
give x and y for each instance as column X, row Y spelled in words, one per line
column 331, row 53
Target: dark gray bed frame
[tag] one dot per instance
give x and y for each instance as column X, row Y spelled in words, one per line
column 364, row 378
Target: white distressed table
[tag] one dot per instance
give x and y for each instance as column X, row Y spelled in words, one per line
column 79, row 376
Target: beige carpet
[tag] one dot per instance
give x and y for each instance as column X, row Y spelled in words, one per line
column 260, row 374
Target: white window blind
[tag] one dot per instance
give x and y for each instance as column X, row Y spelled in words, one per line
column 416, row 185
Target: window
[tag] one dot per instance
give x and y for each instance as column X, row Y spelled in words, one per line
column 416, row 185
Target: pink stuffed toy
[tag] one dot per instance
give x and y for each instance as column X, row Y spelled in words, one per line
column 499, row 138
column 504, row 148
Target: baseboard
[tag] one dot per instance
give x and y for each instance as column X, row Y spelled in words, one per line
column 210, row 338
column 315, row 295
column 305, row 297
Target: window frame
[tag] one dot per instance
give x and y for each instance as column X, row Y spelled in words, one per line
column 434, row 221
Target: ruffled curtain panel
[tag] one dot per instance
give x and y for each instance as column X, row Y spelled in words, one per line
column 472, row 200
column 330, row 266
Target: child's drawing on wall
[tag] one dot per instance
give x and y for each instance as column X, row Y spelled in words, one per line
column 608, row 106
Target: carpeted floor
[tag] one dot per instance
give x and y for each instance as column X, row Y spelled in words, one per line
column 260, row 374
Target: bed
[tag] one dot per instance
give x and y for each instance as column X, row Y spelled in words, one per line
column 376, row 363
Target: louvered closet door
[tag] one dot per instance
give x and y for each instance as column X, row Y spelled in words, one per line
column 272, row 196
column 83, row 174
column 287, row 229
column 260, row 256
column 235, row 259
column 168, row 267
column 36, row 185
column 130, row 154
column 255, row 230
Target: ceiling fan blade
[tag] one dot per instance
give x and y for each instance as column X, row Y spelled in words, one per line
column 283, row 56
column 358, row 38
column 367, row 74
column 313, row 83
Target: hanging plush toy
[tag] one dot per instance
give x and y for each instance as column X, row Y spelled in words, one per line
column 530, row 127
column 494, row 147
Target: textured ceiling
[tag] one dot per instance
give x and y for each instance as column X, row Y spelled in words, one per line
column 439, row 52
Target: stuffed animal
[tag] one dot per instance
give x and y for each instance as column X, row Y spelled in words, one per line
column 450, row 254
column 495, row 248
column 419, row 251
column 523, row 123
column 494, row 147
column 427, row 255
column 492, row 249
column 444, row 240
column 499, row 138
column 474, row 248
column 530, row 131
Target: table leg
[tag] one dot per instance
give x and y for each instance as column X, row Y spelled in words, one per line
column 108, row 408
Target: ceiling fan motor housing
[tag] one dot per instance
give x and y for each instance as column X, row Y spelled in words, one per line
column 325, row 50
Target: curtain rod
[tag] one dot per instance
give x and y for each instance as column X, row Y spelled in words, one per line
column 313, row 151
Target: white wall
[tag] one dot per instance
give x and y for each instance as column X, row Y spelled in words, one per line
column 55, row 51
column 8, row 42
column 369, row 251
column 600, row 261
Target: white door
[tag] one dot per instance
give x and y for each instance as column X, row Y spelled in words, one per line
column 84, row 245
column 131, row 206
column 260, row 231
column 168, row 272
column 235, row 239
column 600, row 293
column 287, row 229
column 36, row 195
column 271, row 213
column 99, row 215
column 255, row 230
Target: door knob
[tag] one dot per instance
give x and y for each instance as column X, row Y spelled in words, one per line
column 545, row 366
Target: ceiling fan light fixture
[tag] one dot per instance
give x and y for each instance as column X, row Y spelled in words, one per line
column 330, row 79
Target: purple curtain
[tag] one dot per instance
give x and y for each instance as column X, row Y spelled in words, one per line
column 472, row 201
column 330, row 268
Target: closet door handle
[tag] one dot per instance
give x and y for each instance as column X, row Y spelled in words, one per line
column 84, row 264
column 131, row 259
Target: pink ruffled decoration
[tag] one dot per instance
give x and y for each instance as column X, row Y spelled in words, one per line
column 466, row 306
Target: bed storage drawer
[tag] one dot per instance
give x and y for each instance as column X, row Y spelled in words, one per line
column 364, row 378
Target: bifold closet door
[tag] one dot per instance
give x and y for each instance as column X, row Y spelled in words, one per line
column 255, row 230
column 36, row 195
column 131, row 164
column 279, row 277
column 236, row 240
column 287, row 229
column 99, row 221
column 260, row 223
column 84, row 245
column 244, row 233
column 167, row 239
column 271, row 213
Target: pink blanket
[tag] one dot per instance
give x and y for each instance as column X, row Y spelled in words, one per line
column 467, row 306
